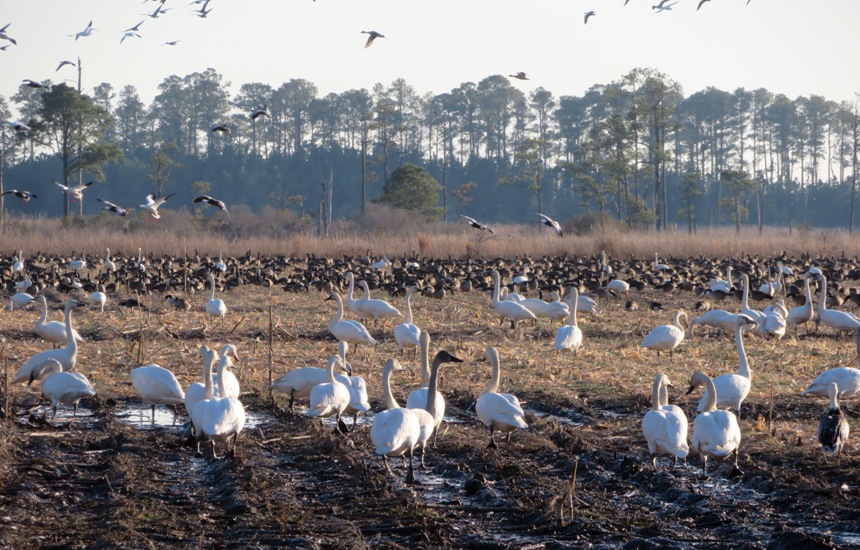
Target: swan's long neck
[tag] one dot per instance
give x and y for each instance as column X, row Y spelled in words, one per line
column 729, row 276
column 424, row 345
column 339, row 315
column 494, row 382
column 655, row 393
column 390, row 402
column 409, row 307
column 807, row 292
column 351, row 278
column 677, row 320
column 212, row 289
column 329, row 369
column 574, row 305
column 44, row 316
column 833, row 393
column 208, row 390
column 822, row 302
column 430, row 407
column 496, row 285
column 743, row 364
column 71, row 344
column 745, row 302
column 664, row 395
column 223, row 364
column 711, row 402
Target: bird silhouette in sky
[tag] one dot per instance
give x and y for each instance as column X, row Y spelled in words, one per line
column 700, row 4
column 549, row 222
column 476, row 224
column 519, row 76
column 114, row 209
column 86, row 32
column 373, row 35
column 589, row 14
column 64, row 63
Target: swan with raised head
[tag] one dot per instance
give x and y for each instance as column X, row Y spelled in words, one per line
column 196, row 392
column 732, row 389
column 66, row 356
column 220, row 418
column 569, row 335
column 378, row 309
column 801, row 315
column 716, row 433
column 345, row 330
column 833, row 429
column 427, row 417
column 109, row 264
column 666, row 337
column 395, row 431
column 499, row 411
column 330, row 398
column 215, row 307
column 355, row 384
column 62, row 387
column 407, row 334
column 664, row 430
column 351, row 303
column 754, row 314
column 837, row 320
column 417, row 398
column 508, row 309
column 52, row 331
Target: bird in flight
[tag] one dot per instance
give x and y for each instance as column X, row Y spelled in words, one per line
column 4, row 36
column 114, row 209
column 519, row 76
column 19, row 126
column 74, row 191
column 171, row 43
column 158, row 11
column 373, row 35
column 663, row 6
column 64, row 63
column 4, row 48
column 220, row 129
column 134, row 28
column 128, row 34
column 152, row 204
column 700, row 4
column 589, row 14
column 23, row 195
column 476, row 224
column 33, row 84
column 203, row 12
column 86, row 32
column 212, row 202
column 549, row 222
column 260, row 111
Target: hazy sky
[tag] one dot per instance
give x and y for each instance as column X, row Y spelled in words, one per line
column 795, row 47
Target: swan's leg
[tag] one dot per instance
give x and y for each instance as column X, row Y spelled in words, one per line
column 654, row 462
column 674, row 462
column 75, row 413
column 492, row 444
column 175, row 414
column 704, row 465
column 292, row 398
column 153, row 414
column 423, row 448
column 435, row 433
column 355, row 421
column 508, row 442
column 385, row 461
column 214, row 456
column 410, row 475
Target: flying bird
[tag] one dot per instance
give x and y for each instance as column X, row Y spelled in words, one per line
column 519, row 76
column 4, row 48
column 203, row 12
column 152, row 204
column 33, row 84
column 74, row 191
column 220, row 128
column 134, row 28
column 158, row 11
column 171, row 43
column 23, row 195
column 114, row 209
column 64, row 63
column 663, row 6
column 19, row 126
column 212, row 202
column 128, row 34
column 700, row 4
column 86, row 32
column 373, row 36
column 549, row 222
column 476, row 224
column 4, row 36
column 260, row 111
column 589, row 14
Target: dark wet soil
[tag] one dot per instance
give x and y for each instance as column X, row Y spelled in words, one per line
column 104, row 482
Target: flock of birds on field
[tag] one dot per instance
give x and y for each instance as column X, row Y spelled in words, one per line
column 217, row 414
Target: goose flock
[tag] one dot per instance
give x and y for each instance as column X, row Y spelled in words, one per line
column 216, row 413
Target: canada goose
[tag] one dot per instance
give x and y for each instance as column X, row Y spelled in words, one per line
column 833, row 429
column 549, row 222
column 212, row 202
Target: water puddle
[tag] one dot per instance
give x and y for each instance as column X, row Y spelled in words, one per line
column 575, row 420
column 141, row 418
column 86, row 417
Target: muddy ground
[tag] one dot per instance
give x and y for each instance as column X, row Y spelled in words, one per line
column 579, row 477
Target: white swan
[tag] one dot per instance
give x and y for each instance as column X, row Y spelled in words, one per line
column 346, row 330
column 299, row 382
column 801, row 315
column 231, row 383
column 754, row 314
column 109, row 265
column 215, row 307
column 508, row 309
column 51, row 331
column 19, row 300
column 664, row 430
column 407, row 334
column 833, row 429
column 196, row 392
column 353, row 304
column 659, row 266
column 617, row 285
column 427, row 416
column 716, row 433
column 395, row 431
column 98, row 298
column 847, row 378
column 499, row 411
column 417, row 398
column 62, row 387
column 67, row 356
column 378, row 309
column 77, row 265
column 221, row 418
column 666, row 337
column 732, row 389
column 721, row 285
column 556, row 309
column 569, row 336
column 719, row 319
column 773, row 324
column 837, row 320
column 330, row 398
column 156, row 385
column 355, row 384
column 772, row 288
column 18, row 266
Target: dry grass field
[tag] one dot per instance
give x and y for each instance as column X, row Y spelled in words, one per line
column 580, row 476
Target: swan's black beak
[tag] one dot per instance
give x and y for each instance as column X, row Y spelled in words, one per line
column 690, row 390
column 32, row 377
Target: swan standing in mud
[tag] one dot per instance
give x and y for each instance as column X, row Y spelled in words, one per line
column 664, row 430
column 716, row 433
column 330, row 398
column 156, row 385
column 395, row 431
column 499, row 411
column 62, row 387
column 666, row 337
column 67, row 356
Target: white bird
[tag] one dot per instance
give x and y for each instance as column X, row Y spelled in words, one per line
column 429, row 418
column 499, row 411
column 299, row 382
column 395, row 431
column 67, row 356
column 508, row 309
column 847, row 378
column 417, row 398
column 231, row 383
column 215, row 307
column 86, row 32
column 722, row 285
column 373, row 35
column 77, row 265
column 347, row 330
column 152, row 204
column 617, row 285
column 384, row 263
column 407, row 334
column 716, row 433
column 51, row 331
column 18, row 264
column 62, row 387
column 114, row 209
column 569, row 336
column 378, row 309
column 801, row 315
column 658, row 266
column 833, row 429
column 719, row 319
column 220, row 265
column 23, row 285
column 556, row 310
column 19, row 300
column 330, row 398
column 476, row 224
column 837, row 320
column 128, row 34
column 549, row 222
column 25, row 196
column 356, row 385
column 664, row 430
column 732, row 389
column 773, row 324
column 212, row 202
column 109, row 265
column 221, row 418
column 666, row 337
column 156, row 385
column 75, row 192
column 587, row 304
column 772, row 288
column 197, row 391
column 754, row 314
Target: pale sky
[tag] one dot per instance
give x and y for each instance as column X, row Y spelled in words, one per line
column 795, row 47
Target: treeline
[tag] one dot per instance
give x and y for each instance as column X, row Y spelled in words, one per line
column 637, row 150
